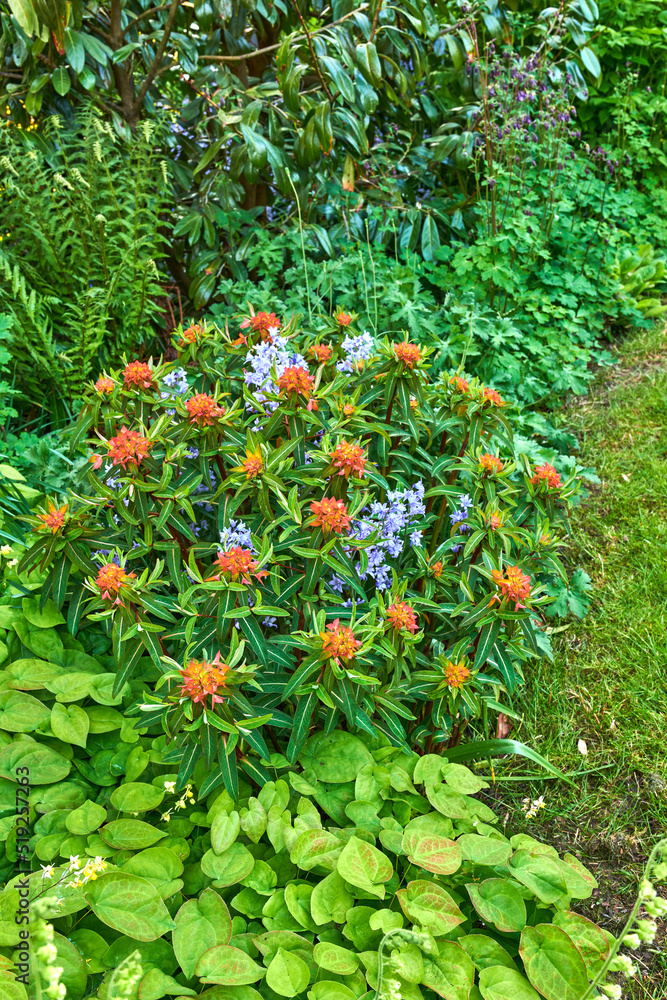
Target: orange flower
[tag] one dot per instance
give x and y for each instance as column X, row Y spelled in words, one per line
column 338, row 642
column 330, row 515
column 413, row 403
column 344, row 319
column 490, row 464
column 321, row 351
column 456, row 674
column 111, row 578
column 253, row 465
column 546, row 538
column 437, row 569
column 240, row 340
column 295, row 380
column 128, row 447
column 409, row 354
column 138, row 373
column 203, row 410
column 514, row 585
column 105, row 385
column 191, row 335
column 238, row 564
column 548, row 475
column 349, row 410
column 202, row 679
column 400, row 615
column 495, row 521
column 54, row 520
column 493, row 397
column 459, row 383
column 348, row 458
column 261, row 323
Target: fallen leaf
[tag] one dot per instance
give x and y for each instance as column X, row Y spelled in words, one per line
column 581, row 747
column 503, row 727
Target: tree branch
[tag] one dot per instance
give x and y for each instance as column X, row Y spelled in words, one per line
column 146, row 13
column 152, row 72
column 297, row 38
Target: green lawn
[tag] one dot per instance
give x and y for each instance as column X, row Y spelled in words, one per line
column 608, row 683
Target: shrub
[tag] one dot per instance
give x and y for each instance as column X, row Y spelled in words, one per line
column 305, row 541
column 292, row 892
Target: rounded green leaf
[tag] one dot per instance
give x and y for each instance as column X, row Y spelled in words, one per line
column 87, row 818
column 20, row 712
column 436, row 854
column 552, row 963
column 485, row 951
column 130, row 834
column 31, row 674
column 136, row 796
column 484, row 850
column 230, row 867
column 329, row 990
column 540, row 874
column 287, row 975
column 45, row 765
column 428, row 904
column 159, row 866
column 70, row 724
column 500, row 983
column 451, row 974
column 333, row 958
column 337, row 757
column 224, row 831
column 500, row 903
column 364, row 866
column 316, row 847
column 74, row 975
column 47, row 617
column 462, row 779
column 61, row 80
column 228, row 966
column 201, row 924
column 129, row 904
column 591, row 941
column 331, row 900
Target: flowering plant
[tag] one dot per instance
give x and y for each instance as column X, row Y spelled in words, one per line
column 304, row 532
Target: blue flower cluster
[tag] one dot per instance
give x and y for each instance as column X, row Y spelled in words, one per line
column 359, row 348
column 236, row 533
column 393, row 524
column 465, row 503
column 267, row 360
column 177, row 381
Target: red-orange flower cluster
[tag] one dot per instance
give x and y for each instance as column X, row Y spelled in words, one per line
column 138, row 373
column 322, row 352
column 437, row 569
column 128, row 448
column 490, row 463
column 348, row 458
column 330, row 515
column 401, row 615
column 261, row 323
column 203, row 410
column 493, row 398
column 460, row 384
column 409, row 354
column 238, row 563
column 253, row 465
column 105, row 385
column 456, row 674
column 111, row 578
column 338, row 642
column 191, row 335
column 295, row 380
column 344, row 319
column 54, row 520
column 202, row 680
column 349, row 410
column 548, row 475
column 514, row 585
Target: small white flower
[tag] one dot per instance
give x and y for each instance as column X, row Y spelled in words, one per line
column 170, row 786
column 47, row 871
column 5, row 550
column 74, row 862
column 613, row 991
column 631, row 941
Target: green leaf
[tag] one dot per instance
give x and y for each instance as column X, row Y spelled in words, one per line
column 427, row 904
column 451, row 974
column 230, row 867
column 130, row 905
column 436, row 854
column 229, row 966
column 483, row 749
column 540, row 874
column 130, row 834
column 430, row 239
column 501, row 983
column 500, row 903
column 61, row 80
column 484, row 850
column 224, row 831
column 21, row 713
column 86, row 819
column 331, row 900
column 201, row 924
column 552, row 963
column 45, row 765
column 591, row 61
column 74, row 50
column 592, row 943
column 364, row 866
column 316, row 847
column 485, row 951
column 333, row 958
column 337, row 757
column 287, row 975
column 136, row 796
column 70, row 724
column 48, row 617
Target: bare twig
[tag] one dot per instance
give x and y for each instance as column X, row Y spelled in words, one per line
column 146, row 13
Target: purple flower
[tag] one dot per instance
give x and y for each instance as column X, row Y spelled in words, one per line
column 237, row 533
column 358, row 348
column 270, row 622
